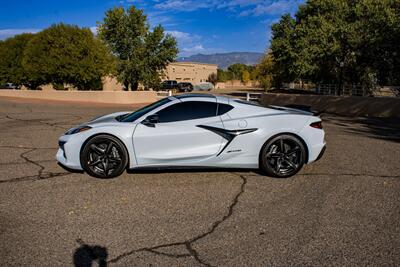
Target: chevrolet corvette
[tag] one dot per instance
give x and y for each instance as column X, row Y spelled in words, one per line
column 195, row 131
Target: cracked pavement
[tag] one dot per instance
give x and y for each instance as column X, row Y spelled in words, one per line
column 342, row 210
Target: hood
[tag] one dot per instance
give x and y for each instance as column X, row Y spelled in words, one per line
column 108, row 118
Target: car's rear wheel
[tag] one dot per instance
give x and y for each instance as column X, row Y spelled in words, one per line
column 104, row 156
column 282, row 156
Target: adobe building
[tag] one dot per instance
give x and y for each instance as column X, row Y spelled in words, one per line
column 192, row 72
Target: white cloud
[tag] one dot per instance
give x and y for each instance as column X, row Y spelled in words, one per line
column 195, row 49
column 184, row 37
column 247, row 7
column 274, row 8
column 188, row 43
column 188, row 51
column 159, row 17
column 6, row 33
column 199, row 49
column 182, row 5
column 93, row 30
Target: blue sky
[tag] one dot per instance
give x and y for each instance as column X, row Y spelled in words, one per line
column 200, row 26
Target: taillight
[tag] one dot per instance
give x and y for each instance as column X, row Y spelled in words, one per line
column 317, row 125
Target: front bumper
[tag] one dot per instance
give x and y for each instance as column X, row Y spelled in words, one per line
column 60, row 157
column 68, row 153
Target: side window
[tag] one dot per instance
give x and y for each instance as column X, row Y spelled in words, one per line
column 223, row 108
column 190, row 110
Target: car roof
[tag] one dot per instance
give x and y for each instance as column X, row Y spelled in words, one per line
column 193, row 95
column 220, row 99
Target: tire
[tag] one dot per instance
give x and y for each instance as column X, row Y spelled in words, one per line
column 282, row 156
column 104, row 156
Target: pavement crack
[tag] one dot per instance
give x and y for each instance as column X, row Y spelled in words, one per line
column 41, row 167
column 41, row 175
column 188, row 244
column 229, row 214
column 195, row 255
column 21, row 163
column 46, row 175
column 55, row 125
column 27, row 147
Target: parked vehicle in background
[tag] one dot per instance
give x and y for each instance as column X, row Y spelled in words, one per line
column 206, row 86
column 9, row 86
column 169, row 85
column 185, row 87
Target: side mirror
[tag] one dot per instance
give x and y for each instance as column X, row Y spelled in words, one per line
column 151, row 120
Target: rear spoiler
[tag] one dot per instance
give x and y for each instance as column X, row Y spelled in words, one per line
column 305, row 108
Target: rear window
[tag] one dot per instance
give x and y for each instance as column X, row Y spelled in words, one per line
column 223, row 108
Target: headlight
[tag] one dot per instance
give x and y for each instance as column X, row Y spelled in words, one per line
column 78, row 129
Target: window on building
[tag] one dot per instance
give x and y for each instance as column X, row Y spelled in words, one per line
column 190, row 110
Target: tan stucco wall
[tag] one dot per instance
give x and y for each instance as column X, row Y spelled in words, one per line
column 192, row 72
column 239, row 84
column 111, row 84
column 122, row 97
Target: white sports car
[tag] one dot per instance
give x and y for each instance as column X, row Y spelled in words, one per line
column 195, row 130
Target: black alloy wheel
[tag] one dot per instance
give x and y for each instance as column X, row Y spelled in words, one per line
column 283, row 156
column 104, row 156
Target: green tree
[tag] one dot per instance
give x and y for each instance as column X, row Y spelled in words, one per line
column 283, row 49
column 245, row 76
column 339, row 41
column 67, row 54
column 236, row 71
column 266, row 70
column 142, row 54
column 222, row 75
column 213, row 78
column 11, row 53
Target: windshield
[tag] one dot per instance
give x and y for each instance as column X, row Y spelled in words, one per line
column 131, row 117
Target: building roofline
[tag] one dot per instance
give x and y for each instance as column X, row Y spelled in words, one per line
column 192, row 62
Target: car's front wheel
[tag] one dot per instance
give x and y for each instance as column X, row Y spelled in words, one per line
column 282, row 156
column 104, row 156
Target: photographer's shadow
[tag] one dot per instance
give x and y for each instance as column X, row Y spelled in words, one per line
column 86, row 255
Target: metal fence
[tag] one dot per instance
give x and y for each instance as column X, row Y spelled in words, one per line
column 347, row 90
column 253, row 97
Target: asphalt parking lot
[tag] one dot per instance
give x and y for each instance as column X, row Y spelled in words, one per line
column 342, row 210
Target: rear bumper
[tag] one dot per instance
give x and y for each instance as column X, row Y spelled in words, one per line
column 321, row 153
column 316, row 152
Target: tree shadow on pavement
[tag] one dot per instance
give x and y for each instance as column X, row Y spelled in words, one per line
column 86, row 255
column 380, row 128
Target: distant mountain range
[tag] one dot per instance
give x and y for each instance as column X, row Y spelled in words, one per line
column 224, row 60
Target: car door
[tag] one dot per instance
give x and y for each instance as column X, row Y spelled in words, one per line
column 176, row 139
